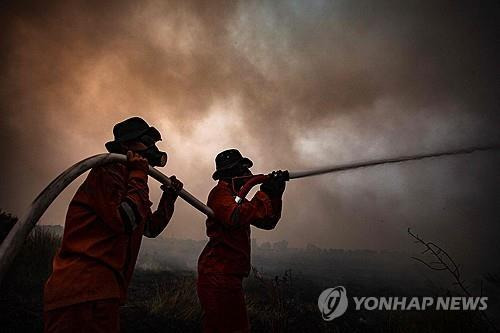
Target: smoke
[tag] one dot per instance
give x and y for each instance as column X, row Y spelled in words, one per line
column 291, row 84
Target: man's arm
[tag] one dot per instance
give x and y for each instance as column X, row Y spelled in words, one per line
column 159, row 220
column 121, row 200
column 232, row 215
column 270, row 221
column 273, row 188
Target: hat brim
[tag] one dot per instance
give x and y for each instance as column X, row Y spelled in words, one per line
column 153, row 133
column 246, row 161
column 115, row 145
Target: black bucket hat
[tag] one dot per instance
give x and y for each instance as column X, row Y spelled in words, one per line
column 130, row 129
column 228, row 159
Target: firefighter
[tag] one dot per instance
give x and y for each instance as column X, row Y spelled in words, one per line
column 104, row 225
column 225, row 260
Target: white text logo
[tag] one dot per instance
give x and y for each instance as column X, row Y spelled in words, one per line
column 332, row 302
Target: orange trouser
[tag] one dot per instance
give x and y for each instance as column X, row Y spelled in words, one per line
column 223, row 303
column 89, row 317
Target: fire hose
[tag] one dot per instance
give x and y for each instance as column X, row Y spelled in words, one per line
column 20, row 231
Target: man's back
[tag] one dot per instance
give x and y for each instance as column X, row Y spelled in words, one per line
column 97, row 255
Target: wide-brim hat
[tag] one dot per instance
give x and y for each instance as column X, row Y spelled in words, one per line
column 130, row 129
column 229, row 159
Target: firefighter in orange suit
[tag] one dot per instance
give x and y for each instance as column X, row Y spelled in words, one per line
column 105, row 222
column 225, row 260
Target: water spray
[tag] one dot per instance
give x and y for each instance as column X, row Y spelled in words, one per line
column 288, row 175
column 20, row 231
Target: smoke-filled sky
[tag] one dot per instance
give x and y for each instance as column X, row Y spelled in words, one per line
column 292, row 84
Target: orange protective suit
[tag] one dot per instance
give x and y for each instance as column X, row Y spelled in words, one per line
column 225, row 260
column 100, row 246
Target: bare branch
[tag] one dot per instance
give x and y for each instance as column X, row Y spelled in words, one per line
column 441, row 261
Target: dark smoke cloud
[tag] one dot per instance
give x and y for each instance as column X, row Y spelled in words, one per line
column 292, row 84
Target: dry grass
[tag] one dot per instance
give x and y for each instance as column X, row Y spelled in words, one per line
column 22, row 288
column 162, row 301
column 177, row 298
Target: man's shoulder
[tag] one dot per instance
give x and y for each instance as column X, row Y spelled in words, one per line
column 113, row 170
column 222, row 188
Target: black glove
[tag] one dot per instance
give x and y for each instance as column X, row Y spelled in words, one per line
column 137, row 162
column 175, row 187
column 275, row 185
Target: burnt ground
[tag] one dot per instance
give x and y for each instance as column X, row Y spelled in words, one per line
column 161, row 300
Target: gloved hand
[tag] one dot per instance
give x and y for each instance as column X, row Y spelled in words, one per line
column 137, row 162
column 275, row 185
column 175, row 186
